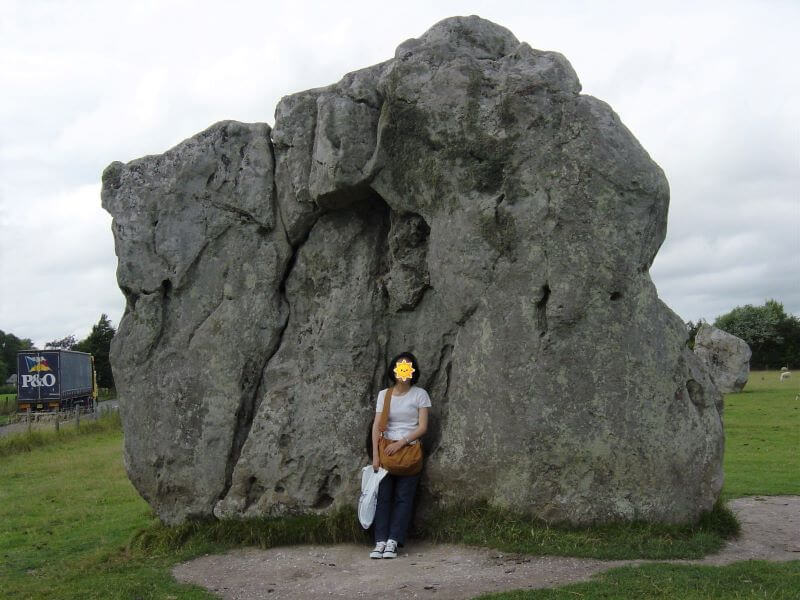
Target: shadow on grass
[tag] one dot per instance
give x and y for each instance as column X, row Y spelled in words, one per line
column 476, row 525
column 206, row 535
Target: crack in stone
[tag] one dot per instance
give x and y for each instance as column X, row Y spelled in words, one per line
column 241, row 213
column 467, row 314
column 441, row 373
column 541, row 310
column 250, row 403
column 276, row 207
column 166, row 288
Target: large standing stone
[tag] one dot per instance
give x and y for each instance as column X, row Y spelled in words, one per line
column 726, row 357
column 201, row 264
column 462, row 200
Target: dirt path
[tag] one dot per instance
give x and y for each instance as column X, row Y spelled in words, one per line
column 770, row 531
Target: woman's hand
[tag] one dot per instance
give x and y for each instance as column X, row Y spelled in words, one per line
column 376, row 462
column 394, row 447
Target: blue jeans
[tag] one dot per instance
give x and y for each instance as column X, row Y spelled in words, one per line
column 395, row 503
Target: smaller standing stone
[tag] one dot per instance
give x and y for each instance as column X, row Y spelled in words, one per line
column 726, row 356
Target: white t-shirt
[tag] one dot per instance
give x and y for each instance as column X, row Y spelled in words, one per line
column 403, row 411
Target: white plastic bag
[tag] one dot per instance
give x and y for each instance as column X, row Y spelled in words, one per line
column 370, row 480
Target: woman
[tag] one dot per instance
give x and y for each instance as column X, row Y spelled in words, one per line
column 408, row 421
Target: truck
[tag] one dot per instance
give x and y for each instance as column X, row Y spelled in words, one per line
column 53, row 380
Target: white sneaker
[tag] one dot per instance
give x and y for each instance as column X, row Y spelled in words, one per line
column 377, row 551
column 391, row 549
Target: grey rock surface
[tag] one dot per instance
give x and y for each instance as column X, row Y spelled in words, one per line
column 463, row 201
column 201, row 263
column 726, row 357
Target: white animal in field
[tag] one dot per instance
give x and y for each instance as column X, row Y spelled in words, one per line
column 784, row 368
column 785, row 375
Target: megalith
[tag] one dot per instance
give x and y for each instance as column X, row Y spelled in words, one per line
column 462, row 200
column 725, row 356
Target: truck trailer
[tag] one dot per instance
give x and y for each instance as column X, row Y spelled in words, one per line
column 51, row 380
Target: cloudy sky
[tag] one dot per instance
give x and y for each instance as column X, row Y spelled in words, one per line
column 711, row 89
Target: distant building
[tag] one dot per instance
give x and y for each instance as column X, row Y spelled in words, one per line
column 12, row 380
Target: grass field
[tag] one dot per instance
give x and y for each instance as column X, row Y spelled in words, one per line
column 747, row 580
column 762, row 437
column 8, row 406
column 71, row 525
column 38, row 438
column 67, row 511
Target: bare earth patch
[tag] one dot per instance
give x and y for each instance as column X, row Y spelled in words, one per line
column 770, row 531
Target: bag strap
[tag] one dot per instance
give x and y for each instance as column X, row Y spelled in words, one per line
column 383, row 423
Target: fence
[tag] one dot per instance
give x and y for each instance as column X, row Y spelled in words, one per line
column 63, row 417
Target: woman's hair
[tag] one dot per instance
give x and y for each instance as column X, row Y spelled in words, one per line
column 409, row 357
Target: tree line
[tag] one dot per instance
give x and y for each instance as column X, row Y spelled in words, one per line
column 9, row 346
column 97, row 343
column 772, row 334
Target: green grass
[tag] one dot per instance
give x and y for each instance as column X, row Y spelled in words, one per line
column 762, row 437
column 27, row 441
column 8, row 406
column 477, row 525
column 495, row 528
column 740, row 581
column 72, row 526
column 67, row 512
column 106, row 394
column 200, row 537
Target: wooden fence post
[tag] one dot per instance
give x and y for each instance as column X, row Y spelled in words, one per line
column 28, row 417
column 77, row 418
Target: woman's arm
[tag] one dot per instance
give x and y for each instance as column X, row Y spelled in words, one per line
column 421, row 428
column 410, row 437
column 376, row 459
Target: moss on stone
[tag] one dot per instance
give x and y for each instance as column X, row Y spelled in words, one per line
column 413, row 157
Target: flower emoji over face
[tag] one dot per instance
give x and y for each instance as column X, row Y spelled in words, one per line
column 403, row 370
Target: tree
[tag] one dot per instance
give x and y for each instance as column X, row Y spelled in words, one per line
column 66, row 343
column 789, row 330
column 98, row 344
column 772, row 335
column 9, row 346
column 693, row 328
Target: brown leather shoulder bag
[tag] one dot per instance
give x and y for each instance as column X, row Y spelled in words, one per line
column 407, row 460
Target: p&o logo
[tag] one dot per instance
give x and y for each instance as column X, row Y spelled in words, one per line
column 37, row 364
column 39, row 373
